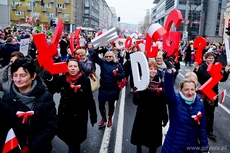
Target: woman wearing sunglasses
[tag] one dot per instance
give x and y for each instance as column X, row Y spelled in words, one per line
column 111, row 71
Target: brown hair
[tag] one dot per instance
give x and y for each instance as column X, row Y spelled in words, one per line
column 16, row 54
column 208, row 54
column 152, row 63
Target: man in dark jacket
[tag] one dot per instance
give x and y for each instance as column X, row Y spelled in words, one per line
column 63, row 48
column 7, row 49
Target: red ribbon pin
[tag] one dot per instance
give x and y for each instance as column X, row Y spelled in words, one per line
column 25, row 115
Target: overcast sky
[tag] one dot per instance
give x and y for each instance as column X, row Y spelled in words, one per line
column 131, row 11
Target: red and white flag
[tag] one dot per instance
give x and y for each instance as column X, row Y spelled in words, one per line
column 11, row 141
column 222, row 94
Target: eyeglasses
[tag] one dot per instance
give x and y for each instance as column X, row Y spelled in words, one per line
column 108, row 56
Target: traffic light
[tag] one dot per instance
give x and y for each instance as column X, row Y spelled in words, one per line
column 119, row 19
column 228, row 31
column 42, row 2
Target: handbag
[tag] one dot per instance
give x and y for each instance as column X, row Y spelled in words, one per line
column 94, row 81
column 122, row 83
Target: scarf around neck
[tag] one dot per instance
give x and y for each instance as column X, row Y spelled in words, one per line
column 72, row 80
column 188, row 101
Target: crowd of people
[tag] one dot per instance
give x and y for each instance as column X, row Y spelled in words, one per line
column 28, row 107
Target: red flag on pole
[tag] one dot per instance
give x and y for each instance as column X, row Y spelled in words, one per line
column 11, row 141
column 222, row 94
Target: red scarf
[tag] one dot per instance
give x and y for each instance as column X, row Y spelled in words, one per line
column 72, row 80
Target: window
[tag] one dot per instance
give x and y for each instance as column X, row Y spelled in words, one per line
column 86, row 3
column 49, row 14
column 87, row 11
column 48, row 5
column 64, row 15
column 19, row 13
column 17, row 3
column 63, row 6
column 31, row 4
column 35, row 14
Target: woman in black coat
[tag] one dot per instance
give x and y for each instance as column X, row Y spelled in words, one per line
column 76, row 103
column 151, row 107
column 28, row 95
column 203, row 77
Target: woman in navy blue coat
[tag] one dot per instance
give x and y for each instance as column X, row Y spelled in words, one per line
column 111, row 71
column 187, row 126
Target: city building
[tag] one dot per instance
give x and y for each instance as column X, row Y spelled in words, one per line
column 85, row 14
column 200, row 17
column 5, row 19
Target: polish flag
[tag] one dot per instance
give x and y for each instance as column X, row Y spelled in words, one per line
column 222, row 94
column 156, row 31
column 11, row 141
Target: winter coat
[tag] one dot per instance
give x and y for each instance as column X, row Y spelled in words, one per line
column 184, row 131
column 73, row 109
column 109, row 90
column 86, row 66
column 38, row 132
column 6, row 50
column 151, row 107
column 203, row 76
column 63, row 47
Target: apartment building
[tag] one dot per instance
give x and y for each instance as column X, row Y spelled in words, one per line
column 74, row 13
column 201, row 17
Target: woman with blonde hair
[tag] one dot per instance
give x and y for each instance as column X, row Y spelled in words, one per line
column 111, row 71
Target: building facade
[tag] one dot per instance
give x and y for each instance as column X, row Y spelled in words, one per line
column 91, row 14
column 200, row 17
column 5, row 19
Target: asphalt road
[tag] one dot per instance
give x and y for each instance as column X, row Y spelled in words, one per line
column 117, row 138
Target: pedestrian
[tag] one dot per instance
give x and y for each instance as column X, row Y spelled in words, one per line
column 128, row 68
column 64, row 45
column 150, row 107
column 187, row 129
column 28, row 109
column 188, row 54
column 6, row 76
column 6, row 50
column 161, row 65
column 203, row 77
column 84, row 62
column 111, row 71
column 76, row 103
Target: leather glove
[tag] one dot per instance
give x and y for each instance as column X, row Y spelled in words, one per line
column 115, row 72
column 93, row 120
column 25, row 150
column 169, row 62
column 47, row 75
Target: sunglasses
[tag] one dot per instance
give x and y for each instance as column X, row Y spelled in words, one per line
column 108, row 56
